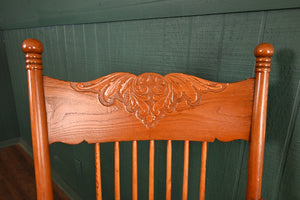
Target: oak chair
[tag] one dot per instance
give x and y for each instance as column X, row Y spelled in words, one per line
column 124, row 107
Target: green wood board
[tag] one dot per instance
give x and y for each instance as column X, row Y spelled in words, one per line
column 34, row 13
column 8, row 118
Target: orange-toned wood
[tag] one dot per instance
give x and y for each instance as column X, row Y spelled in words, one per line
column 151, row 170
column 203, row 171
column 169, row 170
column 185, row 180
column 117, row 171
column 263, row 54
column 125, row 107
column 98, row 172
column 74, row 116
column 134, row 171
column 33, row 50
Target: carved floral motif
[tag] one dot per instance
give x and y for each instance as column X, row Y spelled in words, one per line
column 149, row 96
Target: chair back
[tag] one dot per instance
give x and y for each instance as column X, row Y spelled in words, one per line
column 125, row 107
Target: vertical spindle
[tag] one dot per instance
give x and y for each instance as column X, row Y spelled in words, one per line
column 98, row 172
column 185, row 170
column 134, row 171
column 169, row 170
column 151, row 170
column 117, row 171
column 203, row 171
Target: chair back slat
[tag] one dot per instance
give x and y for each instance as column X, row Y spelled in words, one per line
column 134, row 171
column 117, row 171
column 169, row 170
column 98, row 172
column 185, row 180
column 74, row 115
column 203, row 171
column 151, row 169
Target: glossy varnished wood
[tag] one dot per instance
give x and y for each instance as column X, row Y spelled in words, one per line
column 185, row 180
column 151, row 169
column 74, row 116
column 203, row 171
column 117, row 171
column 98, row 172
column 134, row 171
column 263, row 54
column 33, row 50
column 169, row 170
column 125, row 107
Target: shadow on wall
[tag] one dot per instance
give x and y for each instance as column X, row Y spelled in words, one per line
column 280, row 95
column 281, row 102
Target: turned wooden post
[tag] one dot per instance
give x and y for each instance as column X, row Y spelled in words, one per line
column 263, row 54
column 33, row 50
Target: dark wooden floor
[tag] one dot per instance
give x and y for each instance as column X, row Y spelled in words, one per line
column 17, row 180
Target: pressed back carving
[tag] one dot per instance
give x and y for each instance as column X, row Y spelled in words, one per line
column 125, row 107
column 149, row 96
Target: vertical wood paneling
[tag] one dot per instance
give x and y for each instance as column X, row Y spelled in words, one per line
column 290, row 176
column 205, row 39
column 160, row 169
column 8, row 118
column 126, row 156
column 18, row 79
column 194, row 169
column 32, row 14
column 282, row 29
column 60, row 49
column 143, row 172
column 235, row 47
column 70, row 46
column 199, row 45
column 176, row 44
column 107, row 157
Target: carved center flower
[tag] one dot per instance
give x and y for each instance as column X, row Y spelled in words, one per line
column 149, row 96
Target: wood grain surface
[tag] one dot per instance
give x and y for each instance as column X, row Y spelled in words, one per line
column 150, row 97
column 68, row 109
column 17, row 179
column 198, row 45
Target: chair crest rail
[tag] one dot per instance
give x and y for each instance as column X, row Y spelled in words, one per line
column 148, row 105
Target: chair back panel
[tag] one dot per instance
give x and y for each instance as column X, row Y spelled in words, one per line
column 124, row 107
column 184, row 108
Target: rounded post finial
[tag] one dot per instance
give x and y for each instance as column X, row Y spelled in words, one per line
column 33, row 50
column 263, row 53
column 32, row 46
column 264, row 50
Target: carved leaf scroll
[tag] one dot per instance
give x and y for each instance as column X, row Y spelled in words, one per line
column 149, row 96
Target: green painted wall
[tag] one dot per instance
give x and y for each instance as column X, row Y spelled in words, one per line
column 35, row 13
column 217, row 47
column 8, row 118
